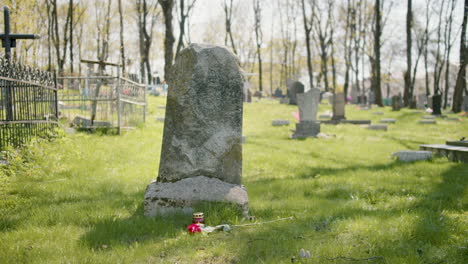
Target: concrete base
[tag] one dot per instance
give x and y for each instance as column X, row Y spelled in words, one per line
column 306, row 129
column 179, row 197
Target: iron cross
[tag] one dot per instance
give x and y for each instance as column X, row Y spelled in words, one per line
column 9, row 40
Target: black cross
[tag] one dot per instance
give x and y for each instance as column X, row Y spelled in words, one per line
column 9, row 40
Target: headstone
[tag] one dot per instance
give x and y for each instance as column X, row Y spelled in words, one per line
column 388, row 121
column 378, row 127
column 201, row 155
column 280, row 122
column 339, row 106
column 429, row 102
column 308, row 104
column 354, row 95
column 437, row 104
column 378, row 113
column 294, row 89
column 278, row 93
column 428, row 117
column 247, row 95
column 422, row 101
column 410, row 156
column 371, row 97
column 396, row 103
column 308, row 107
column 465, row 104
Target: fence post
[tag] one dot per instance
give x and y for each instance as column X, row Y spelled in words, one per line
column 56, row 96
column 146, row 103
column 119, row 110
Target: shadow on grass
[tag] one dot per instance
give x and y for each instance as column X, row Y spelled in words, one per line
column 431, row 239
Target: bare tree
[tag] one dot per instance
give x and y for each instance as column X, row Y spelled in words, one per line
column 407, row 96
column 307, row 30
column 258, row 38
column 147, row 17
column 448, row 43
column 185, row 9
column 167, row 6
column 376, row 72
column 460, row 86
column 227, row 7
column 121, row 35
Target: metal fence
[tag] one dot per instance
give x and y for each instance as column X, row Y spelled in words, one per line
column 102, row 101
column 28, row 103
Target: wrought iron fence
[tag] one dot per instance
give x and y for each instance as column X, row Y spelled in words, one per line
column 28, row 103
column 102, row 101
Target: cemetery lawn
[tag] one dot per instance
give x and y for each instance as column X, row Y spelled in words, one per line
column 78, row 199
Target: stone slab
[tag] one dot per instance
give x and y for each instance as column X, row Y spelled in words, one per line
column 453, row 153
column 378, row 113
column 428, row 117
column 378, row 127
column 163, row 198
column 387, row 121
column 410, row 155
column 463, row 143
column 280, row 122
column 427, row 122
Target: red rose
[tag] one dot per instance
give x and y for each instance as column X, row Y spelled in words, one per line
column 194, row 228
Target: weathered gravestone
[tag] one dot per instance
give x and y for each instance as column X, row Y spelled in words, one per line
column 387, row 121
column 465, row 104
column 396, row 103
column 354, row 95
column 246, row 92
column 294, row 89
column 201, row 155
column 422, row 101
column 278, row 93
column 437, row 104
column 339, row 106
column 308, row 107
column 378, row 127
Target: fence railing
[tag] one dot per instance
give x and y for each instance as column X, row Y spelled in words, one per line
column 28, row 103
column 102, row 101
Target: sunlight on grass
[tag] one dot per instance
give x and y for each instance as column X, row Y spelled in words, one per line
column 78, row 199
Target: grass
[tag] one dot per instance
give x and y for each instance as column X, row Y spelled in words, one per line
column 78, row 199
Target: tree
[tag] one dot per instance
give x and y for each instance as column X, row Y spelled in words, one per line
column 376, row 73
column 167, row 6
column 407, row 95
column 460, row 86
column 147, row 17
column 258, row 38
column 227, row 7
column 184, row 8
column 121, row 35
column 307, row 30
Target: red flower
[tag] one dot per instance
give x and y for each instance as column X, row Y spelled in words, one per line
column 194, row 228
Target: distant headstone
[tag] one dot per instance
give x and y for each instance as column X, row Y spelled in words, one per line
column 410, row 156
column 308, row 107
column 387, row 121
column 201, row 155
column 354, row 95
column 247, row 95
column 437, row 104
column 428, row 117
column 278, row 93
column 378, row 127
column 378, row 113
column 339, row 103
column 371, row 97
column 421, row 101
column 396, row 103
column 465, row 104
column 280, row 122
column 294, row 89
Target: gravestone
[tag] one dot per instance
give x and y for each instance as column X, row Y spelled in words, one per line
column 410, row 156
column 339, row 106
column 294, row 89
column 422, row 101
column 280, row 122
column 387, row 121
column 465, row 104
column 396, row 103
column 247, row 95
column 437, row 104
column 308, row 106
column 428, row 117
column 201, row 155
column 378, row 127
column 428, row 121
column 354, row 95
column 371, row 97
column 278, row 93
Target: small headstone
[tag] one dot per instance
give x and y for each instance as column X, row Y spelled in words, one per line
column 427, row 122
column 280, row 122
column 465, row 104
column 339, row 103
column 354, row 95
column 325, row 116
column 278, row 93
column 247, row 95
column 396, row 103
column 388, row 121
column 308, row 107
column 294, row 89
column 452, row 119
column 409, row 156
column 378, row 127
column 428, row 117
column 201, row 154
column 378, row 113
column 422, row 101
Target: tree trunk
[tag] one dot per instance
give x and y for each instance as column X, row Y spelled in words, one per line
column 307, row 30
column 407, row 96
column 71, row 36
column 376, row 72
column 122, row 44
column 258, row 38
column 460, row 86
column 167, row 6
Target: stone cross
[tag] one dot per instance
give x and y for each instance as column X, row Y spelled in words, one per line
column 8, row 39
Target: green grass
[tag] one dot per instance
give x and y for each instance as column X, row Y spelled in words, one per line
column 78, row 199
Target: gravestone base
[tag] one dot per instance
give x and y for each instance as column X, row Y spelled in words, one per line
column 306, row 129
column 162, row 198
